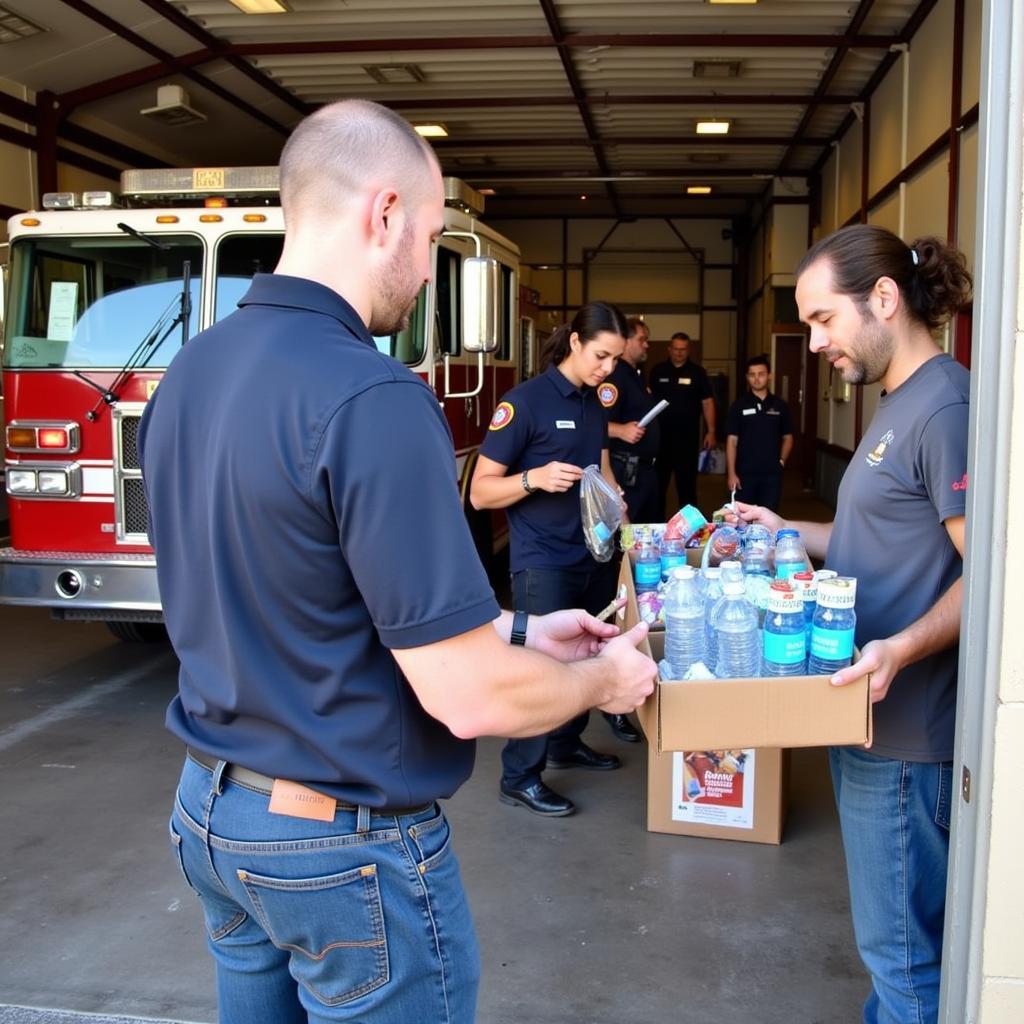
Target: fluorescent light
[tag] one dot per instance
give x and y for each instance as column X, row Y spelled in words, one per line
column 730, row 1
column 698, row 190
column 713, row 127
column 261, row 6
column 487, row 191
column 431, row 131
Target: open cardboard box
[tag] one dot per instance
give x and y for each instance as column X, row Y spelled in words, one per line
column 716, row 766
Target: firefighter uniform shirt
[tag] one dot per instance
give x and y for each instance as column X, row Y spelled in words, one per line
column 759, row 424
column 547, row 419
column 282, row 431
column 627, row 400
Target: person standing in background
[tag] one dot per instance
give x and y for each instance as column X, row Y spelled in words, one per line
column 873, row 304
column 685, row 386
column 759, row 438
column 542, row 435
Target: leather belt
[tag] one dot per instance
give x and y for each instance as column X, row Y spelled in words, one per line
column 265, row 784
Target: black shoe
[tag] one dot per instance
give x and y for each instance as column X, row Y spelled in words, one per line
column 537, row 798
column 584, row 757
column 623, row 728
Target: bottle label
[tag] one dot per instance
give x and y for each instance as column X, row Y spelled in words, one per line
column 648, row 574
column 786, row 570
column 670, row 562
column 832, row 644
column 785, row 648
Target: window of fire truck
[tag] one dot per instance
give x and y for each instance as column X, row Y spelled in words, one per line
column 409, row 345
column 88, row 302
column 237, row 258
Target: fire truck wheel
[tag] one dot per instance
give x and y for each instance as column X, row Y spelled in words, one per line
column 139, row 632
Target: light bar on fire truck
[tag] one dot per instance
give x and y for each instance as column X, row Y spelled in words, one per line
column 460, row 196
column 181, row 182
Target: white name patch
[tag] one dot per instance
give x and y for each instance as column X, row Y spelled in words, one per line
column 749, row 412
column 565, row 424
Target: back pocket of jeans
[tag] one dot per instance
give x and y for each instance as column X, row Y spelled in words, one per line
column 944, row 799
column 333, row 927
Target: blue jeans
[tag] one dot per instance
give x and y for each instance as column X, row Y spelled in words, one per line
column 540, row 591
column 350, row 920
column 895, row 821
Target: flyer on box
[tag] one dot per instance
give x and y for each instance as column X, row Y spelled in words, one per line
column 713, row 787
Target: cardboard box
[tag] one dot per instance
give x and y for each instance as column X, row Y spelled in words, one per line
column 715, row 763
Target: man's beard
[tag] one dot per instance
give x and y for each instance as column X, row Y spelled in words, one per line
column 395, row 290
column 872, row 353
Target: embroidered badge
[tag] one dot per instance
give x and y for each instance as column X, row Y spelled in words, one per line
column 502, row 416
column 607, row 394
column 877, row 454
column 961, row 484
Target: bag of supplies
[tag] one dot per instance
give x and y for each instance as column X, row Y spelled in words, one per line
column 601, row 510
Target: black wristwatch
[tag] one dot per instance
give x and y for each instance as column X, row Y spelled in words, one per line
column 526, row 483
column 518, row 637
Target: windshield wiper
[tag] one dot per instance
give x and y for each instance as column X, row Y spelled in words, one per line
column 154, row 338
column 128, row 229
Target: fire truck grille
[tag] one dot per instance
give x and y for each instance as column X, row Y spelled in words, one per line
column 136, row 512
column 129, row 442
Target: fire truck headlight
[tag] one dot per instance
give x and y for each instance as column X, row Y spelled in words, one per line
column 21, row 481
column 53, row 481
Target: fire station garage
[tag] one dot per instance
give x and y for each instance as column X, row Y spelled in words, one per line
column 676, row 158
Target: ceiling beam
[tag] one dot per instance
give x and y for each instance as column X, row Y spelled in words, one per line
column 495, row 176
column 698, row 141
column 212, row 43
column 859, row 17
column 571, row 40
column 168, row 59
column 593, row 136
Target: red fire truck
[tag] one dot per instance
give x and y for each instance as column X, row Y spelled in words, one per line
column 104, row 288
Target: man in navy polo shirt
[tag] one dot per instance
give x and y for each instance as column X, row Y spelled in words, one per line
column 759, row 438
column 338, row 639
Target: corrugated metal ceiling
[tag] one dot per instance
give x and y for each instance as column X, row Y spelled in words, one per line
column 533, row 92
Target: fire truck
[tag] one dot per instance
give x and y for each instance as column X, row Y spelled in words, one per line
column 103, row 288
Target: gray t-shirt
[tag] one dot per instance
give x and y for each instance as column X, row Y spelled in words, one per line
column 908, row 476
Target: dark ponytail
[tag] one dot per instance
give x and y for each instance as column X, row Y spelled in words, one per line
column 931, row 275
column 591, row 319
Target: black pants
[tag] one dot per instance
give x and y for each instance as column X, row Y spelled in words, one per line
column 643, row 502
column 540, row 591
column 761, row 489
column 678, row 455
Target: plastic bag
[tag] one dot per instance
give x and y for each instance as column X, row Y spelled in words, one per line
column 601, row 510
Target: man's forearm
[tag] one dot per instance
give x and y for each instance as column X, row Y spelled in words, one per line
column 708, row 406
column 936, row 630
column 731, row 444
column 787, row 447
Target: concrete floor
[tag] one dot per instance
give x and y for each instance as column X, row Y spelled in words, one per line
column 584, row 919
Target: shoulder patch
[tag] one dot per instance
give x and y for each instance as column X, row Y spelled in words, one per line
column 502, row 416
column 608, row 394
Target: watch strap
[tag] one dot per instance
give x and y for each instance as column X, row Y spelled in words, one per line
column 519, row 621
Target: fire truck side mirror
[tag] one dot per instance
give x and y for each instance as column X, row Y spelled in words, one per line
column 480, row 304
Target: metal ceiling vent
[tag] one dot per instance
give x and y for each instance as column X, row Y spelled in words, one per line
column 15, row 26
column 172, row 108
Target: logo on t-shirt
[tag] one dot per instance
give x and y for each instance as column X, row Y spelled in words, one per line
column 961, row 484
column 502, row 416
column 877, row 454
column 607, row 394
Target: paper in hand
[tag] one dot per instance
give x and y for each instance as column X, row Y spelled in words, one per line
column 657, row 410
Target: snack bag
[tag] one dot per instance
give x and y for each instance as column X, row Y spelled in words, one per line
column 601, row 510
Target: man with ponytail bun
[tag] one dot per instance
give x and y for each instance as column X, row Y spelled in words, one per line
column 874, row 305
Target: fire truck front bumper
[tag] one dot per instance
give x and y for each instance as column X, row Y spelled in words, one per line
column 81, row 585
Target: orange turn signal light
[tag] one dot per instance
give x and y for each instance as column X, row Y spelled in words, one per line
column 167, row 218
column 21, row 437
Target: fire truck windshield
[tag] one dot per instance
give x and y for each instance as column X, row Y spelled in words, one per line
column 87, row 301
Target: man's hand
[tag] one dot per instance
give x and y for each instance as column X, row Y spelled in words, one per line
column 569, row 635
column 635, row 673
column 757, row 514
column 710, row 440
column 555, row 477
column 734, row 482
column 631, row 432
column 879, row 657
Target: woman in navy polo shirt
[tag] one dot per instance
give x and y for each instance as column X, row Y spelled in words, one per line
column 541, row 437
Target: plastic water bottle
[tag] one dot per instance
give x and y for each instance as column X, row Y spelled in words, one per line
column 684, row 621
column 734, row 621
column 790, row 556
column 725, row 544
column 833, row 626
column 713, row 593
column 785, row 642
column 647, row 571
column 756, row 559
column 805, row 584
column 673, row 555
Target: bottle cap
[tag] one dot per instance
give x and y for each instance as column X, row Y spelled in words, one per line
column 684, row 572
column 825, row 574
column 804, row 574
column 786, row 533
column 733, row 587
column 839, row 592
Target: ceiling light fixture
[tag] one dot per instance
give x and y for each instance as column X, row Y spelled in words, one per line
column 487, row 191
column 261, row 6
column 713, row 127
column 431, row 131
column 698, row 190
column 730, row 1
